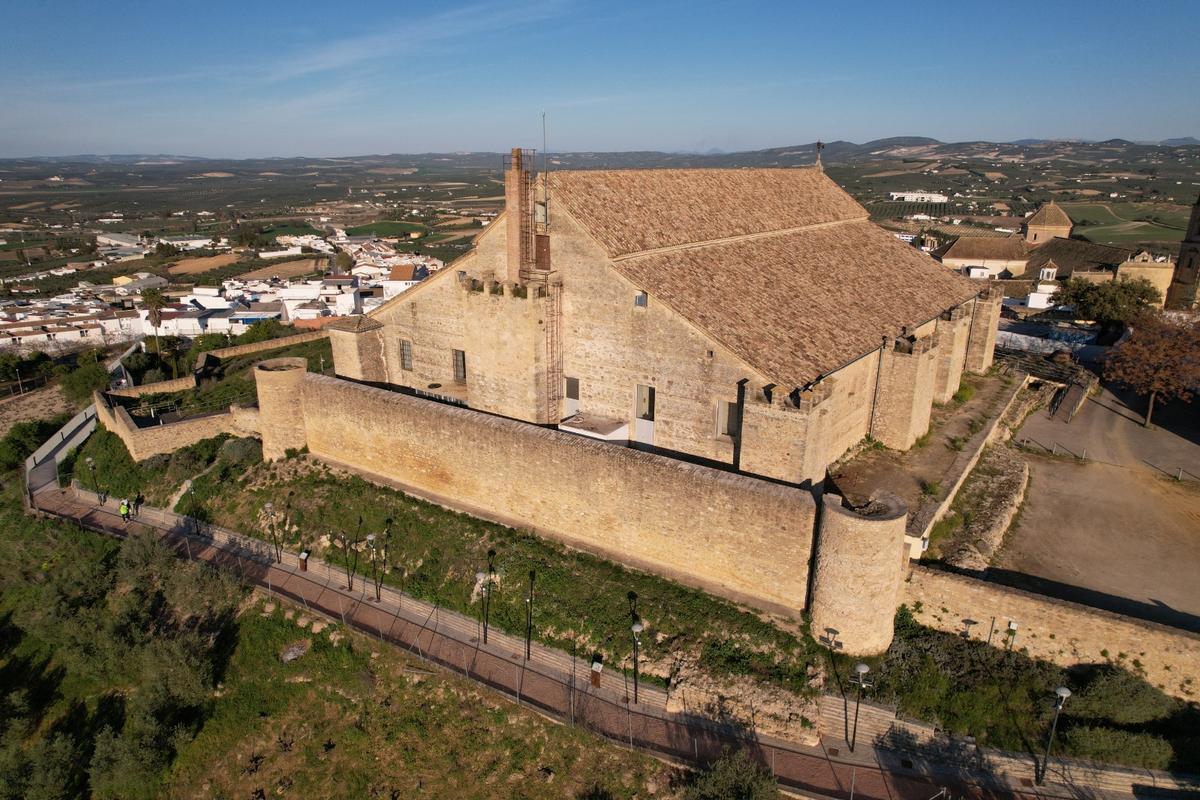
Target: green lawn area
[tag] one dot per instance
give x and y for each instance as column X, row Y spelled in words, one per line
column 387, row 228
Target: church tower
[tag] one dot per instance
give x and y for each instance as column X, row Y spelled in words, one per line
column 1183, row 293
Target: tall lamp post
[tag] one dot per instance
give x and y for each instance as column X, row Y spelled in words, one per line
column 91, row 465
column 637, row 629
column 859, row 679
column 529, row 615
column 486, row 578
column 1060, row 698
column 276, row 544
column 374, row 563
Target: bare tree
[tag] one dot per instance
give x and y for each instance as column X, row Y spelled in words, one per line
column 1161, row 358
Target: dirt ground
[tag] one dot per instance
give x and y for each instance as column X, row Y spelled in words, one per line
column 286, row 269
column 1123, row 539
column 906, row 474
column 39, row 404
column 1117, row 530
column 194, row 266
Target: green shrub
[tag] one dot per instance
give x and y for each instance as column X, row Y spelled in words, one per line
column 25, row 437
column 965, row 392
column 1117, row 746
column 1115, row 695
column 734, row 776
column 79, row 383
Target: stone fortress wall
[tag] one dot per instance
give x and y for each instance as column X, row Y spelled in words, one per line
column 737, row 536
column 166, row 438
column 1059, row 631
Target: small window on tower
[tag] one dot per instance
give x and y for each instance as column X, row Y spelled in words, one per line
column 405, row 354
column 460, row 366
column 641, row 299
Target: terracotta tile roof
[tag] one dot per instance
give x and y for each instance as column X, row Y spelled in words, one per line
column 1070, row 255
column 1050, row 215
column 799, row 305
column 630, row 211
column 994, row 248
column 403, row 272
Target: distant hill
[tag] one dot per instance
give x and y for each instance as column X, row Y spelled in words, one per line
column 1181, row 142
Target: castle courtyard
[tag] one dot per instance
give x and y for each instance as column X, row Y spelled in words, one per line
column 1118, row 531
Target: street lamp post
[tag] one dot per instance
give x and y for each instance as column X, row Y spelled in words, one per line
column 276, row 545
column 529, row 615
column 1060, row 698
column 637, row 629
column 859, row 679
column 374, row 564
column 91, row 465
column 487, row 578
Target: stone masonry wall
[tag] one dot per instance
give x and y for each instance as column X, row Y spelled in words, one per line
column 734, row 535
column 145, row 442
column 906, row 383
column 611, row 345
column 177, row 385
column 981, row 339
column 1056, row 630
column 952, row 331
column 860, row 561
column 270, row 344
column 506, row 355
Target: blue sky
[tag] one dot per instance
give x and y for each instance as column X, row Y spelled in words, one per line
column 250, row 78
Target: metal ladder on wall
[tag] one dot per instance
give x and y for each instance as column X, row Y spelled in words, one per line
column 554, row 367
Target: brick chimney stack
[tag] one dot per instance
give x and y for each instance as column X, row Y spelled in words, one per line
column 517, row 188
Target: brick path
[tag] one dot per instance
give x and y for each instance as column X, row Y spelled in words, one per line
column 551, row 681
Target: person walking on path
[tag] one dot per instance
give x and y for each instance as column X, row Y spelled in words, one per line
column 137, row 504
column 124, row 509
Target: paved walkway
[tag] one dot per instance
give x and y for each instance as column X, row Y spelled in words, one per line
column 555, row 682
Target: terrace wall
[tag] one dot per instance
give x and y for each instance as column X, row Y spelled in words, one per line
column 168, row 437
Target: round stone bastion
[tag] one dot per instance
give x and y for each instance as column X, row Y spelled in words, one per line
column 280, row 404
column 859, row 567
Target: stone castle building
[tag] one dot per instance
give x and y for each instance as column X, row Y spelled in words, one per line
column 1184, row 292
column 753, row 320
column 658, row 366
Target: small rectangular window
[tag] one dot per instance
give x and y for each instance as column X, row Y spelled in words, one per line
column 729, row 421
column 645, row 402
column 460, row 366
column 572, row 388
column 405, row 354
column 641, row 300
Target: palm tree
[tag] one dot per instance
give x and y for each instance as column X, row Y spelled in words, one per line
column 154, row 302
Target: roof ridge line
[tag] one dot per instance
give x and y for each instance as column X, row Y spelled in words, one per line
column 675, row 248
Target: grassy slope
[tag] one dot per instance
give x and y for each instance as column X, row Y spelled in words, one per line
column 394, row 726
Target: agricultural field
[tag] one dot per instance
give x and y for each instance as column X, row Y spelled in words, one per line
column 388, row 228
column 287, row 269
column 195, row 266
column 1125, row 224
